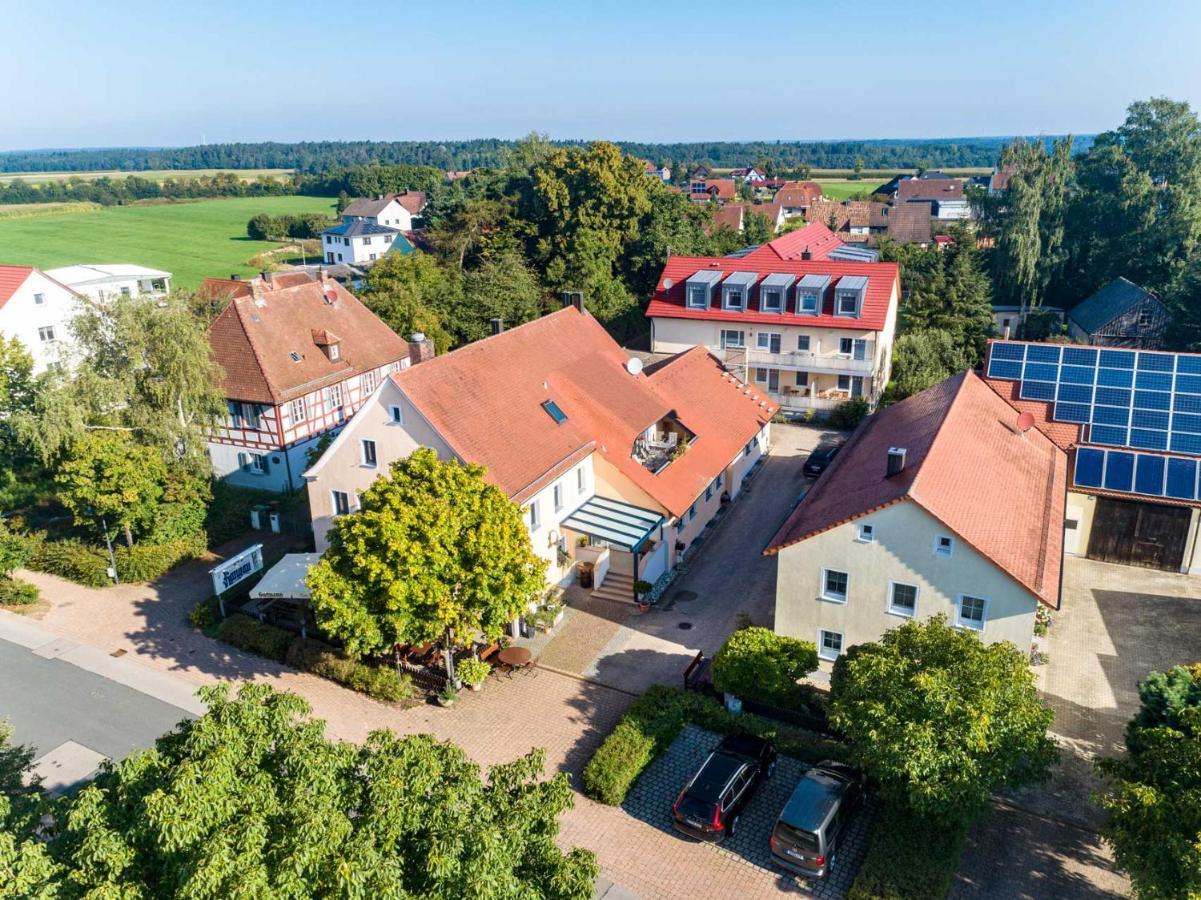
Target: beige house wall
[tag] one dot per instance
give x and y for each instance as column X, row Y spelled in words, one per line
column 902, row 551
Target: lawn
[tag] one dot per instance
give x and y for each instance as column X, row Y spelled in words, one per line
column 190, row 239
column 841, row 189
column 148, row 174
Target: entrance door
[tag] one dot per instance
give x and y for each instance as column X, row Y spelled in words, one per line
column 1139, row 534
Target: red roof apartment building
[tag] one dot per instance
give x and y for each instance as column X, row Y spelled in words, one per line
column 300, row 356
column 795, row 318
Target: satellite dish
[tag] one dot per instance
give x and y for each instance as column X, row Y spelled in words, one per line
column 667, row 283
column 633, row 365
column 1025, row 422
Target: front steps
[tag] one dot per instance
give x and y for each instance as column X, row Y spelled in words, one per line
column 617, row 587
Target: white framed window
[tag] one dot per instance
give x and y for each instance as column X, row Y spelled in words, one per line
column 557, row 493
column 806, row 302
column 972, row 612
column 771, row 300
column 369, row 381
column 847, row 304
column 339, row 502
column 802, row 343
column 333, row 397
column 867, row 533
column 581, row 480
column 366, row 241
column 902, row 599
column 944, row 545
column 835, row 585
column 733, row 298
column 334, row 352
column 396, row 415
column 698, row 296
column 535, row 516
column 732, row 339
column 258, row 464
column 46, row 334
column 39, row 299
column 297, row 411
column 768, row 341
column 367, row 455
column 252, row 415
column 829, row 644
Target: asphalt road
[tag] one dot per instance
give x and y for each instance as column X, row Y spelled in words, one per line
column 51, row 702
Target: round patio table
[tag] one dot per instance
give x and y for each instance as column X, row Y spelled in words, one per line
column 515, row 658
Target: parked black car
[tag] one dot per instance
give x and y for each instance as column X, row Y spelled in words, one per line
column 809, row 831
column 709, row 807
column 820, row 459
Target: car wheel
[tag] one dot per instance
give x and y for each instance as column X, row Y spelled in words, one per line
column 733, row 829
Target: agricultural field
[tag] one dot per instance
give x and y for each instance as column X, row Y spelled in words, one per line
column 191, row 239
column 159, row 175
column 841, row 188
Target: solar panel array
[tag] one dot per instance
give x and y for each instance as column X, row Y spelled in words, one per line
column 1140, row 399
column 1172, row 477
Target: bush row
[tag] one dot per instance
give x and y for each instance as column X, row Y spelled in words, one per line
column 899, row 867
column 308, row 655
column 655, row 719
column 88, row 565
column 15, row 592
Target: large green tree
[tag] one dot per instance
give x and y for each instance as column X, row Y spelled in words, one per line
column 1154, row 792
column 504, row 288
column 414, row 293
column 105, row 474
column 941, row 719
column 921, row 358
column 253, row 801
column 435, row 553
column 19, row 392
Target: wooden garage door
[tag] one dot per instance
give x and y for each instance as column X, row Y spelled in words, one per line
column 1139, row 534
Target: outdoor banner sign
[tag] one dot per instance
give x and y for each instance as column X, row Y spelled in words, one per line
column 237, row 569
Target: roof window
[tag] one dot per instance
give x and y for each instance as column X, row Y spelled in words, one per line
column 552, row 410
column 294, row 356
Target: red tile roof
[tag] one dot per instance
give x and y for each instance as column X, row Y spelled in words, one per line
column 930, row 189
column 266, row 321
column 730, row 216
column 486, row 400
column 11, row 278
column 814, row 237
column 721, row 188
column 883, row 284
column 967, row 465
column 798, row 194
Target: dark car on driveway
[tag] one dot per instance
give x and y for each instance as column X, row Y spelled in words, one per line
column 809, row 831
column 710, row 805
column 821, row 457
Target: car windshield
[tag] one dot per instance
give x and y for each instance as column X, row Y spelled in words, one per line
column 697, row 809
column 802, row 840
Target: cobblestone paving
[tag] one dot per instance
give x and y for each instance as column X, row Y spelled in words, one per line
column 651, row 798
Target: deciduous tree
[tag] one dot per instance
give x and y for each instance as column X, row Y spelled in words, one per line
column 921, row 358
column 435, row 553
column 106, row 474
column 940, row 719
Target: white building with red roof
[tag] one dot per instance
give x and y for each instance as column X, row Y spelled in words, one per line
column 37, row 310
column 793, row 318
column 613, row 465
column 300, row 356
column 939, row 504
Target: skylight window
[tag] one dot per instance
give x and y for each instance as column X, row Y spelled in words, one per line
column 295, row 356
column 552, row 410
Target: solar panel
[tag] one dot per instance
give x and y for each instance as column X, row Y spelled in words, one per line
column 1145, row 474
column 1119, row 471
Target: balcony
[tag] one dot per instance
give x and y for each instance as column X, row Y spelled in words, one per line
column 806, row 362
column 656, row 447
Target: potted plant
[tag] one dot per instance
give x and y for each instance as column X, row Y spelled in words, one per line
column 641, row 589
column 472, row 672
column 448, row 695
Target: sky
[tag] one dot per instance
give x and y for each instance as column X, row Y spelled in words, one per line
column 78, row 73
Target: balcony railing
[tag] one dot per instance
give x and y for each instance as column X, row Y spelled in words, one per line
column 807, row 362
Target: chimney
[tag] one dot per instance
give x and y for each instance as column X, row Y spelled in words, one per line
column 266, row 276
column 806, row 254
column 497, row 325
column 421, row 348
column 235, row 277
column 573, row 298
column 896, row 461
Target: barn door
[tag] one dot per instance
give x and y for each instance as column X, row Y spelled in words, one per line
column 1139, row 534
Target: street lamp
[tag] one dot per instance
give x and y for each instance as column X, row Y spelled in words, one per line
column 112, row 560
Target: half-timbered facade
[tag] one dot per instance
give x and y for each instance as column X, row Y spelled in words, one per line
column 300, row 356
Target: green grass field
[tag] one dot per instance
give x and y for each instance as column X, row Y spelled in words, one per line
column 841, row 189
column 149, row 174
column 191, row 239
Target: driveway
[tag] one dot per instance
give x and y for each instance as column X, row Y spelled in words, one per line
column 727, row 577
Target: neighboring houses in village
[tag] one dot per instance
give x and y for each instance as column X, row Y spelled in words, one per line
column 612, row 465
column 938, row 504
column 748, row 176
column 299, row 355
column 103, row 280
column 1121, row 314
column 789, row 317
column 358, row 242
column 391, row 210
column 854, row 221
column 1010, row 319
column 773, row 212
column 37, row 310
column 721, row 190
column 663, row 173
column 911, row 223
column 797, row 196
column 731, row 215
column 1130, row 421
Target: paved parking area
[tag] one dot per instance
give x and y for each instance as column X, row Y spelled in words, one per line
column 651, row 798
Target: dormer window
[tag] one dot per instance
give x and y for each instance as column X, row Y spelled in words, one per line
column 699, row 288
column 848, row 295
column 334, row 352
column 773, row 292
column 736, row 289
column 809, row 293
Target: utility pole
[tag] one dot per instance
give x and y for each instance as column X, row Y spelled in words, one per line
column 112, row 560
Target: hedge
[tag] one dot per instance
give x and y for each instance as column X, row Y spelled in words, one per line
column 146, row 562
column 15, row 592
column 321, row 659
column 898, row 867
column 88, row 565
column 655, row 719
column 257, row 637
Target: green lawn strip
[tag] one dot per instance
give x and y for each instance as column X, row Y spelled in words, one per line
column 191, row 239
column 908, row 857
column 654, row 720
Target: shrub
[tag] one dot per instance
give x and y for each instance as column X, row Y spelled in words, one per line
column 898, row 867
column 654, row 720
column 848, row 414
column 471, row 671
column 206, row 615
column 15, row 592
column 146, row 561
column 759, row 664
column 257, row 637
column 15, row 549
column 379, row 682
column 71, row 559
